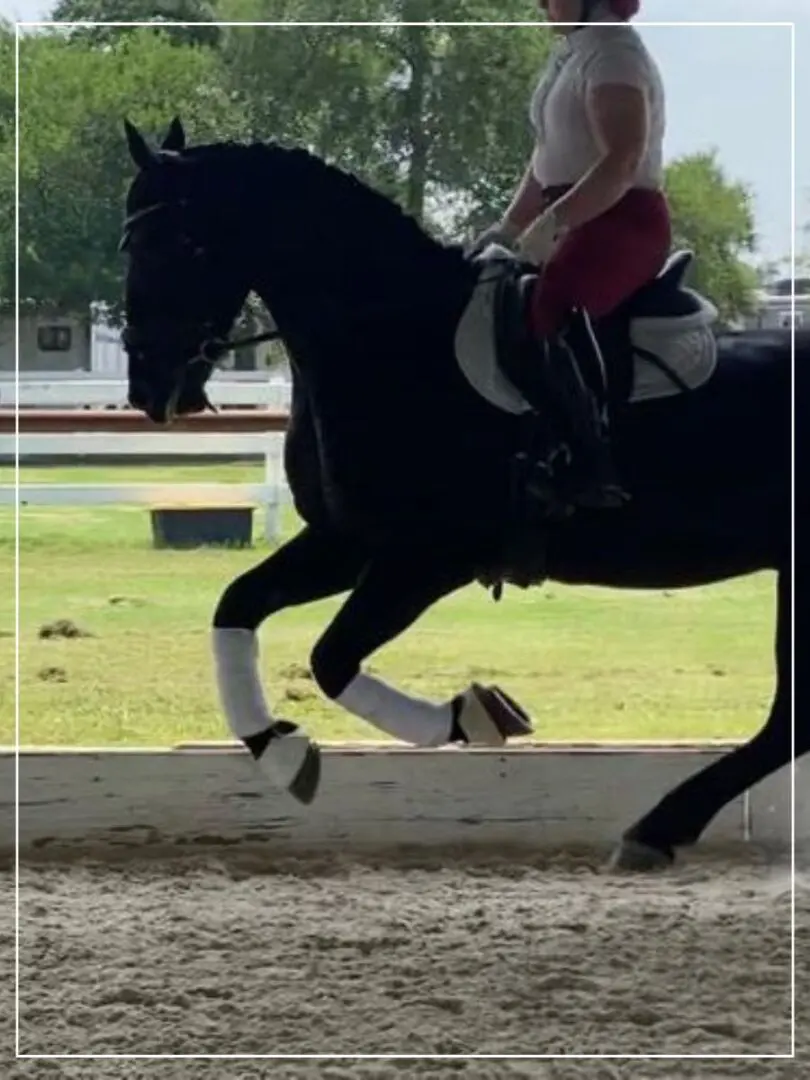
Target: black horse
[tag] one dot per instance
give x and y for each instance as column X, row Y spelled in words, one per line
column 404, row 474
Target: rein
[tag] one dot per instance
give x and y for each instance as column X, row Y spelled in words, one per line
column 214, row 349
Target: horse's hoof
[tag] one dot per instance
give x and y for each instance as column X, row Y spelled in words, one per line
column 637, row 857
column 291, row 761
column 488, row 717
column 305, row 785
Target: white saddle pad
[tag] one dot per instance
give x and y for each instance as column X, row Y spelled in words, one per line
column 686, row 344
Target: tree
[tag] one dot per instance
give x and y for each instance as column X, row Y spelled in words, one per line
column 157, row 11
column 462, row 118
column 438, row 117
column 714, row 216
column 6, row 163
column 435, row 117
column 74, row 169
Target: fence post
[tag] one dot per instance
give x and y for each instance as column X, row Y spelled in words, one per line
column 273, row 465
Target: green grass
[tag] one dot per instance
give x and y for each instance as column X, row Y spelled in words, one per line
column 589, row 664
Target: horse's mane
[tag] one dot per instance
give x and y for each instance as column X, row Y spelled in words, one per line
column 312, row 177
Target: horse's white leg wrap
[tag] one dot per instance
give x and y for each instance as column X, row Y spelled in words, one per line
column 236, row 653
column 411, row 719
column 283, row 758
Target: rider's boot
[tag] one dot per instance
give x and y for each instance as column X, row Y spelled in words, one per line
column 574, row 373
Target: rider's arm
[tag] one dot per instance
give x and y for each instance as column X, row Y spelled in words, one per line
column 527, row 203
column 619, row 120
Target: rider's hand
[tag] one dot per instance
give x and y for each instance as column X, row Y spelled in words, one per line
column 538, row 242
column 503, row 232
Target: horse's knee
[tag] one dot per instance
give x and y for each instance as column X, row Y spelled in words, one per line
column 244, row 605
column 234, row 610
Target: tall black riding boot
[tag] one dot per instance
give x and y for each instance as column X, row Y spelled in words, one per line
column 591, row 479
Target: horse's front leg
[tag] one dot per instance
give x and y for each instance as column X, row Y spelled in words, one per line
column 395, row 588
column 315, row 564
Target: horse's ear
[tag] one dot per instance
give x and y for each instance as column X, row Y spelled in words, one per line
column 138, row 148
column 175, row 137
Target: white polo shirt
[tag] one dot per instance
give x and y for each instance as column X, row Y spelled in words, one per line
column 592, row 56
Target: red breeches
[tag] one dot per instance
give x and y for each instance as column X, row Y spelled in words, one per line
column 601, row 264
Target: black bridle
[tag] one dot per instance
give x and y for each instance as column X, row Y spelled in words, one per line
column 213, row 350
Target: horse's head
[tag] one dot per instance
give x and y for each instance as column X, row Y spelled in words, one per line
column 185, row 280
column 330, row 257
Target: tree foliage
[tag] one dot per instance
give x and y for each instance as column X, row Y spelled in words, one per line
column 714, row 216
column 74, row 169
column 7, row 151
column 417, row 111
column 156, row 11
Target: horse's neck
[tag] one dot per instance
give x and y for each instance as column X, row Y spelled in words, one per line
column 373, row 274
column 384, row 291
column 381, row 255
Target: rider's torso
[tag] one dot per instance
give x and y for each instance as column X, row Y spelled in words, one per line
column 594, row 55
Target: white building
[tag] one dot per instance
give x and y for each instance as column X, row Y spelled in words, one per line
column 48, row 343
column 64, row 345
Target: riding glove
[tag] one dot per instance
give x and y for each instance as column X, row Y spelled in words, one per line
column 538, row 242
column 503, row 233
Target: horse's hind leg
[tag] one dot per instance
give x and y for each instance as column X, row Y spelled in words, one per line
column 684, row 814
column 313, row 565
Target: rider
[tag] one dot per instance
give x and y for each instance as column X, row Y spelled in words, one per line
column 591, row 207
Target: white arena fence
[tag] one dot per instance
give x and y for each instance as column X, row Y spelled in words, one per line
column 270, row 494
column 84, row 431
column 71, row 390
